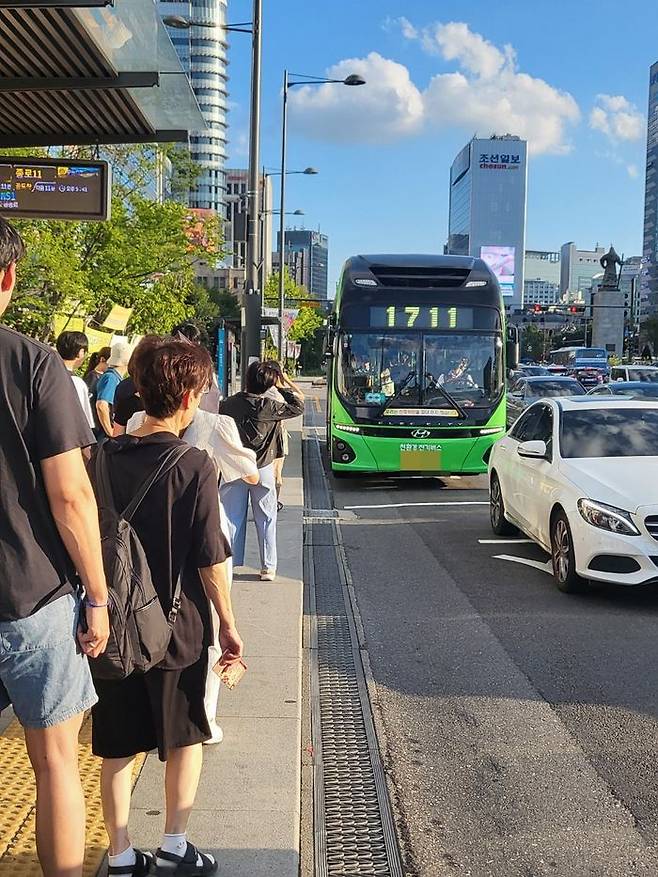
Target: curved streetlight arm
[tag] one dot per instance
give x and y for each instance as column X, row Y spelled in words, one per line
column 182, row 23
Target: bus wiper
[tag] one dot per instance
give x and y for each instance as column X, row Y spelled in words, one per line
column 413, row 375
column 435, row 385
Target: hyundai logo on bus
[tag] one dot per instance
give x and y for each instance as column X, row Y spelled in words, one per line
column 421, row 433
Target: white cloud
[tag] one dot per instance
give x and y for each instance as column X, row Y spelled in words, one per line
column 617, row 118
column 387, row 107
column 633, row 171
column 486, row 93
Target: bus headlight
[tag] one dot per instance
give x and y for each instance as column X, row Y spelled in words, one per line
column 347, row 427
column 341, row 451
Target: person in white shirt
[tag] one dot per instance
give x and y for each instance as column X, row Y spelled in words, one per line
column 218, row 435
column 72, row 347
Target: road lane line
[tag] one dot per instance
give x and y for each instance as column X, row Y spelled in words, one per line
column 535, row 564
column 406, row 505
column 505, row 541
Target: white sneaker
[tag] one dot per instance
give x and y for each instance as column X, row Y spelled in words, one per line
column 217, row 735
column 267, row 575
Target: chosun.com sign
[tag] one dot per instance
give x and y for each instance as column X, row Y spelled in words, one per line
column 500, row 162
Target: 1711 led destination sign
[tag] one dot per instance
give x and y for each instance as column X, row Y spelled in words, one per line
column 54, row 188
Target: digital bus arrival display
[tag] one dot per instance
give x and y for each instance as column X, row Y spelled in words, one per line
column 54, row 188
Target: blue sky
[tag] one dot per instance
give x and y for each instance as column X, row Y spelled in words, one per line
column 439, row 72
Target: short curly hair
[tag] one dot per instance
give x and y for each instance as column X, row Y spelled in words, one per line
column 165, row 372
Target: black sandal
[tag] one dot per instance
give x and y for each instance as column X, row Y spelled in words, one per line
column 141, row 868
column 185, row 866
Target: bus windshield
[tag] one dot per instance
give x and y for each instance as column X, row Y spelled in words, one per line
column 414, row 367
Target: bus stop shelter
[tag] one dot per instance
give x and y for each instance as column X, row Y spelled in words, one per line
column 76, row 72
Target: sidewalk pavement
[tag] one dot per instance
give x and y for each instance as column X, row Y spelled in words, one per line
column 247, row 811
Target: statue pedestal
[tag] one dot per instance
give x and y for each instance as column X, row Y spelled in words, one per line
column 608, row 321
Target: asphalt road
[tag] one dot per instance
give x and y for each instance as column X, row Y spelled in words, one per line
column 518, row 725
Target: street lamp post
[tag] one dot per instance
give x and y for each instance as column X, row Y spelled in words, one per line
column 352, row 80
column 253, row 299
column 308, row 171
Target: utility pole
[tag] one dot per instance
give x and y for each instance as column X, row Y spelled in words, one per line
column 252, row 302
column 282, row 218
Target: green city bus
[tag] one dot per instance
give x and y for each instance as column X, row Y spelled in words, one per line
column 416, row 362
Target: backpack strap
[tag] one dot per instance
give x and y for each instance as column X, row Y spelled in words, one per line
column 106, row 498
column 170, row 460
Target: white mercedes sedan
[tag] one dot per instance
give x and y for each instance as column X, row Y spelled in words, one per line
column 579, row 476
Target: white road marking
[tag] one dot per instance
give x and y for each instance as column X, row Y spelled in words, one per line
column 405, row 505
column 504, row 541
column 535, row 564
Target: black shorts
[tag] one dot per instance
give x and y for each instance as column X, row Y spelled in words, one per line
column 161, row 709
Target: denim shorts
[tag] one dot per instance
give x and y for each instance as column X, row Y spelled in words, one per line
column 43, row 673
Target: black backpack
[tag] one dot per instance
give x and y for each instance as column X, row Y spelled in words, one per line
column 139, row 629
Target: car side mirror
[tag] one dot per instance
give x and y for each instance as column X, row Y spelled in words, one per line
column 533, row 450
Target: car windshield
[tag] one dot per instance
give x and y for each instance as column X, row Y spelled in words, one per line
column 638, row 374
column 373, row 367
column 534, row 370
column 609, row 432
column 591, row 353
column 542, row 389
column 635, row 389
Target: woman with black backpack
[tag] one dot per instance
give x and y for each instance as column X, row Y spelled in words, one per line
column 177, row 526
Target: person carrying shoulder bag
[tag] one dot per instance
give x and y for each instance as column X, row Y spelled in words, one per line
column 177, row 525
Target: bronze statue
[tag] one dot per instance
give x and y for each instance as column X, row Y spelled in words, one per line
column 609, row 263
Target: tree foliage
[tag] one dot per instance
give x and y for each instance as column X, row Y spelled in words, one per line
column 650, row 331
column 305, row 325
column 291, row 290
column 141, row 258
column 532, row 342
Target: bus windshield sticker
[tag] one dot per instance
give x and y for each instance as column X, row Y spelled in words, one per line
column 375, row 398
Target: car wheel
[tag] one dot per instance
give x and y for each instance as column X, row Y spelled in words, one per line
column 499, row 523
column 563, row 557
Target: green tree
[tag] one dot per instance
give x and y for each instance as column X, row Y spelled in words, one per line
column 650, row 331
column 305, row 324
column 532, row 342
column 291, row 290
column 141, row 258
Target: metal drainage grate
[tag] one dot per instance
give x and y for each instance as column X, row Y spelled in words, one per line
column 354, row 830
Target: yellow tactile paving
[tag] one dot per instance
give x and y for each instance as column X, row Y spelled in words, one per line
column 17, row 793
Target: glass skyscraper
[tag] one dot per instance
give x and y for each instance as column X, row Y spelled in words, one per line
column 202, row 51
column 649, row 273
column 307, row 258
column 488, row 208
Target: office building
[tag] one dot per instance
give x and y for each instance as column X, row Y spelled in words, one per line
column 202, row 51
column 577, row 270
column 235, row 228
column 541, row 284
column 307, row 257
column 488, row 180
column 649, row 275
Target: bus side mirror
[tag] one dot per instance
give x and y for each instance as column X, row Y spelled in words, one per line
column 512, row 348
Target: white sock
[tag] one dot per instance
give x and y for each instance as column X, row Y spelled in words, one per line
column 127, row 858
column 176, row 844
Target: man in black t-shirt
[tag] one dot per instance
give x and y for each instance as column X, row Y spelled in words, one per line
column 48, row 537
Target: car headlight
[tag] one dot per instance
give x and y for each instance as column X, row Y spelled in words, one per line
column 607, row 517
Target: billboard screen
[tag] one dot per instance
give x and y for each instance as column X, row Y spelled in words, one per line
column 501, row 262
column 54, row 188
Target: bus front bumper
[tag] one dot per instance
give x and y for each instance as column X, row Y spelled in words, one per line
column 351, row 452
